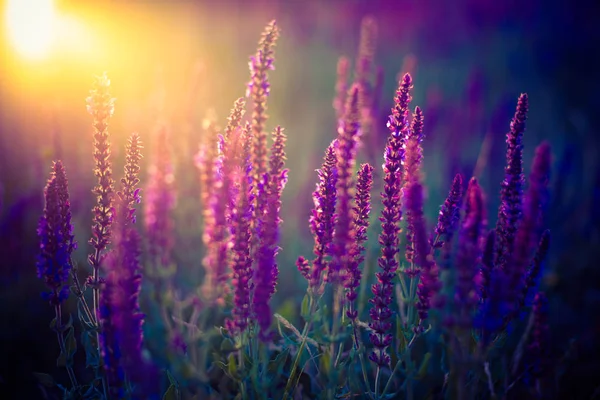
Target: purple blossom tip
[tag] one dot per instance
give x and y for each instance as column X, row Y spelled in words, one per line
column 55, row 232
column 449, row 213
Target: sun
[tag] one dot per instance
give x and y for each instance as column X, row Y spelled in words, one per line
column 31, row 26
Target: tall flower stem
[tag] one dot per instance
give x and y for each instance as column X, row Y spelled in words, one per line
column 61, row 343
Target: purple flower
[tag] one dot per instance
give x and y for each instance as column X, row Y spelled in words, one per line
column 412, row 166
column 468, row 256
column 487, row 265
column 266, row 274
column 160, row 200
column 511, row 192
column 390, row 217
column 323, row 217
column 205, row 162
column 533, row 273
column 348, row 134
column 540, row 336
column 341, row 87
column 241, row 216
column 101, row 106
column 259, row 88
column 449, row 214
column 361, row 211
column 530, row 225
column 56, row 237
column 430, row 284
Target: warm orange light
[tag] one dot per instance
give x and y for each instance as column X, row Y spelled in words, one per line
column 31, row 26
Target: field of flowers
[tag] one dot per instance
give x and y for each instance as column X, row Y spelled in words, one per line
column 202, row 279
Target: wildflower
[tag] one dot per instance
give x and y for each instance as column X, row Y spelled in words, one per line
column 266, row 273
column 430, row 284
column 205, row 162
column 468, row 257
column 341, row 87
column 526, row 235
column 412, row 166
column 160, row 200
column 101, row 106
column 390, row 217
column 535, row 267
column 346, row 153
column 449, row 213
column 323, row 217
column 540, row 336
column 361, row 211
column 487, row 265
column 511, row 192
column 259, row 88
column 241, row 233
column 56, row 237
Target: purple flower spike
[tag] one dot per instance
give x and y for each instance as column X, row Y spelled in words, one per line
column 160, row 200
column 530, row 226
column 348, row 134
column 468, row 257
column 101, row 106
column 56, row 237
column 540, row 336
column 533, row 273
column 266, row 273
column 449, row 214
column 430, row 284
column 412, row 167
column 323, row 217
column 390, row 217
column 487, row 265
column 341, row 87
column 362, row 209
column 511, row 192
column 241, row 233
column 258, row 88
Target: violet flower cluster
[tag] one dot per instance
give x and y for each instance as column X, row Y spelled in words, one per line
column 390, row 218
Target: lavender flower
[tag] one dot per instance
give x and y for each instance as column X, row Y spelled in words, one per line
column 56, row 237
column 449, row 214
column 259, row 88
column 511, row 191
column 266, row 273
column 341, row 87
column 241, row 233
column 348, row 134
column 412, row 166
column 160, row 202
column 540, row 335
column 323, row 217
column 390, row 218
column 526, row 235
column 361, row 211
column 109, row 344
column 487, row 265
column 533, row 273
column 205, row 162
column 430, row 284
column 468, row 257
column 101, row 106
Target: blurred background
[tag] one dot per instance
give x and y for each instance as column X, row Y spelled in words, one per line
column 173, row 61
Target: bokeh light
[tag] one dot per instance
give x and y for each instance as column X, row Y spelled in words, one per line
column 31, row 26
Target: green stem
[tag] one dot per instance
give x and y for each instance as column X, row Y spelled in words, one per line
column 377, row 378
column 290, row 386
column 61, row 344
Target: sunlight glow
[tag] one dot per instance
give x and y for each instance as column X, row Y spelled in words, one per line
column 31, row 26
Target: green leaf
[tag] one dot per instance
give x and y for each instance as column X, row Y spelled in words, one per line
column 91, row 352
column 171, row 393
column 325, row 363
column 45, row 379
column 276, row 366
column 423, row 368
column 227, row 346
column 304, row 311
column 232, row 367
column 172, row 379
